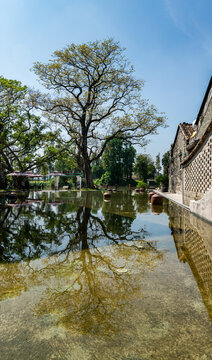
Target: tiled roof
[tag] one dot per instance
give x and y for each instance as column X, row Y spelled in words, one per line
column 199, row 144
column 187, row 130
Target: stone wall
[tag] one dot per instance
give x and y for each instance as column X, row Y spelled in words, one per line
column 205, row 117
column 190, row 172
column 198, row 173
column 175, row 171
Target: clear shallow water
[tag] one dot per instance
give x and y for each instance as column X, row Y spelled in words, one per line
column 81, row 278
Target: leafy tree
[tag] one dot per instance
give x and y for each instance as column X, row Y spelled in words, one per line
column 163, row 180
column 97, row 169
column 144, row 167
column 64, row 162
column 165, row 162
column 157, row 164
column 118, row 160
column 25, row 140
column 129, row 154
column 95, row 98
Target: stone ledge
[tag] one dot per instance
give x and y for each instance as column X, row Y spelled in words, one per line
column 203, row 207
column 176, row 198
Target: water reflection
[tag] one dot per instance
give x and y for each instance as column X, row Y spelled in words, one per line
column 192, row 238
column 108, row 291
column 98, row 287
column 54, row 223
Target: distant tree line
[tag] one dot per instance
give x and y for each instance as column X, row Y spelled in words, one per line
column 119, row 163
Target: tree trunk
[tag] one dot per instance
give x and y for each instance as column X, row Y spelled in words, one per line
column 82, row 218
column 87, row 173
column 3, row 179
column 84, row 228
column 85, row 158
column 20, row 183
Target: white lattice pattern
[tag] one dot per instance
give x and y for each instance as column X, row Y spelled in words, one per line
column 198, row 174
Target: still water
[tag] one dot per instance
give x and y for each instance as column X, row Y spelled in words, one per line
column 84, row 279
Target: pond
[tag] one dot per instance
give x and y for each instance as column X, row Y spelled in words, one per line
column 86, row 279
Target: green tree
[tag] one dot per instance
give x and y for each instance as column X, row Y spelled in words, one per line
column 144, row 167
column 158, row 164
column 97, row 169
column 64, row 162
column 129, row 154
column 165, row 162
column 26, row 142
column 95, row 98
column 118, row 160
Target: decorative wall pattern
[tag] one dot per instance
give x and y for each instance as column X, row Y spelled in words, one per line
column 200, row 261
column 198, row 174
column 192, row 239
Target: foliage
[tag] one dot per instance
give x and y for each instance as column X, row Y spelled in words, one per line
column 94, row 98
column 64, row 162
column 141, row 184
column 159, row 179
column 165, row 162
column 97, row 169
column 144, row 167
column 68, row 181
column 162, row 180
column 118, row 161
column 42, row 184
column 26, row 142
column 157, row 164
column 105, row 179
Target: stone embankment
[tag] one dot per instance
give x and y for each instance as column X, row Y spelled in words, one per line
column 201, row 208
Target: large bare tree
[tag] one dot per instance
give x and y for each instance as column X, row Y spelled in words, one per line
column 94, row 97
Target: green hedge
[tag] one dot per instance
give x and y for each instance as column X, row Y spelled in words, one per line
column 42, row 184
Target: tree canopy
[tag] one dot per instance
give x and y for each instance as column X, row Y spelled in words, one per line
column 158, row 164
column 94, row 97
column 144, row 167
column 118, row 160
column 165, row 162
column 26, row 142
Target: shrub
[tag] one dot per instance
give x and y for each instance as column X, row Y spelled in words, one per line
column 105, row 179
column 159, row 179
column 162, row 180
column 41, row 184
column 141, row 184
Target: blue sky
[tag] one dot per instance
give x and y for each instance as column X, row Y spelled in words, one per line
column 169, row 42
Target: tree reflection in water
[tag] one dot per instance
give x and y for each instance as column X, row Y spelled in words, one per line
column 94, row 293
column 43, row 228
column 86, row 286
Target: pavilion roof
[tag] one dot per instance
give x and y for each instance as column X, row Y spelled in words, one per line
column 26, row 173
column 55, row 173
